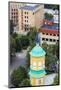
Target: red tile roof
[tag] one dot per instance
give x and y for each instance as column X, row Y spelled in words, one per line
column 44, row 30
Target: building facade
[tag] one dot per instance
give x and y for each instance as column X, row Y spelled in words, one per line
column 37, row 66
column 49, row 36
column 14, row 6
column 30, row 16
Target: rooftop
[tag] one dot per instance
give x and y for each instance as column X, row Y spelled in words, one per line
column 52, row 27
column 37, row 51
column 30, row 7
column 44, row 30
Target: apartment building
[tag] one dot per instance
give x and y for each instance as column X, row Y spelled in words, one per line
column 14, row 6
column 30, row 16
column 49, row 35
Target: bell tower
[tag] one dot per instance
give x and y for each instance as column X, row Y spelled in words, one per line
column 37, row 66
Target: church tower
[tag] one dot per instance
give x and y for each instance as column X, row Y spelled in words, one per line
column 37, row 66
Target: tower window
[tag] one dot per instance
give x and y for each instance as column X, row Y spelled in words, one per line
column 34, row 64
column 39, row 64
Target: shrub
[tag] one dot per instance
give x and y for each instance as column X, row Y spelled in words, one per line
column 25, row 82
column 18, row 75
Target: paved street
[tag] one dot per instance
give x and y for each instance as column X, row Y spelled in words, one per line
column 50, row 79
column 19, row 60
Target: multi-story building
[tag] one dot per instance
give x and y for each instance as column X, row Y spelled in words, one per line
column 30, row 16
column 49, row 34
column 14, row 6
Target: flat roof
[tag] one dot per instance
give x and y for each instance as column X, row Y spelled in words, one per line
column 51, row 27
column 44, row 30
column 30, row 7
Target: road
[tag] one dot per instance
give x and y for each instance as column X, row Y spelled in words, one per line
column 19, row 60
column 49, row 79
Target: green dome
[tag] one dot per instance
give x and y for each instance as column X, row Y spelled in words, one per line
column 37, row 51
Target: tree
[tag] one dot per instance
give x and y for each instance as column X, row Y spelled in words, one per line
column 32, row 34
column 18, row 75
column 18, row 44
column 51, row 57
column 51, row 6
column 24, row 42
column 45, row 46
column 25, row 82
column 51, row 62
column 56, row 80
column 48, row 16
column 11, row 26
column 12, row 46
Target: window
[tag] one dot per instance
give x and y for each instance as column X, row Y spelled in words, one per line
column 12, row 9
column 43, row 33
column 54, row 40
column 46, row 33
column 57, row 40
column 25, row 25
column 39, row 82
column 12, row 13
column 34, row 64
column 33, row 13
column 43, row 38
column 51, row 40
column 25, row 16
column 25, row 29
column 14, row 16
column 25, row 12
column 50, row 34
column 54, row 34
column 46, row 39
column 25, row 20
column 39, row 64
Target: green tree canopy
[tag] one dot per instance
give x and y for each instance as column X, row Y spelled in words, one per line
column 18, row 75
column 25, row 82
column 48, row 16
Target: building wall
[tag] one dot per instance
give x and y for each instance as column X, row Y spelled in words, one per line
column 52, row 37
column 37, row 81
column 29, row 22
column 14, row 6
column 37, row 63
column 35, row 18
column 39, row 15
column 19, row 20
